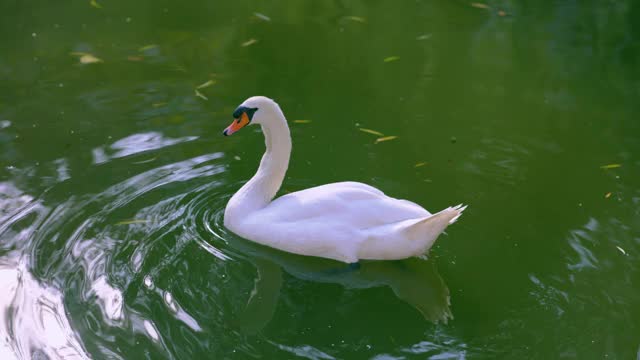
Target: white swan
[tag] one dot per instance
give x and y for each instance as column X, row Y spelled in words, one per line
column 345, row 221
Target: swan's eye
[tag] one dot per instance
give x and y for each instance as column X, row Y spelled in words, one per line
column 237, row 114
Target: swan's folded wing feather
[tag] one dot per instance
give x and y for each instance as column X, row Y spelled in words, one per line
column 359, row 205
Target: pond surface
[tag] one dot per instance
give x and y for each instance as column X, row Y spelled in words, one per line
column 114, row 177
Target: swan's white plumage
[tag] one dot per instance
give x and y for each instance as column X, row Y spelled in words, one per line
column 345, row 221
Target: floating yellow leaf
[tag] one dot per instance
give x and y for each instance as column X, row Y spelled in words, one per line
column 132, row 221
column 86, row 58
column 147, row 47
column 607, row 195
column 502, row 13
column 391, row 58
column 200, row 95
column 480, row 5
column 261, row 16
column 95, row 4
column 249, row 42
column 386, row 138
column 206, row 84
column 301, row 121
column 610, row 166
column 369, row 131
column 356, row 19
column 135, row 58
column 89, row 59
column 420, row 164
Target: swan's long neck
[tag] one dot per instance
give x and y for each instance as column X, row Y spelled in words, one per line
column 263, row 186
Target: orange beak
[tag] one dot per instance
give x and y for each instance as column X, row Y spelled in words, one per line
column 236, row 125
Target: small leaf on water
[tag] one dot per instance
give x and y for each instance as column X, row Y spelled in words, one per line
column 147, row 47
column 480, row 5
column 261, row 16
column 621, row 250
column 386, row 138
column 502, row 13
column 132, row 221
column 420, row 164
column 86, row 58
column 145, row 161
column 237, row 158
column 95, row 4
column 607, row 195
column 159, row 104
column 249, row 42
column 391, row 58
column 610, row 166
column 200, row 95
column 135, row 58
column 356, row 19
column 206, row 84
column 424, row 37
column 301, row 121
column 369, row 131
column 89, row 59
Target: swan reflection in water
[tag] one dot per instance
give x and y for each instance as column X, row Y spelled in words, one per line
column 414, row 281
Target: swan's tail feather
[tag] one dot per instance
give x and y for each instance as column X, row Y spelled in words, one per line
column 408, row 238
column 428, row 229
column 459, row 209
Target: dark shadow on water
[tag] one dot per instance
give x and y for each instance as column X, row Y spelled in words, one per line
column 414, row 281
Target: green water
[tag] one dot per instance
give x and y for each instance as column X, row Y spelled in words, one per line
column 114, row 177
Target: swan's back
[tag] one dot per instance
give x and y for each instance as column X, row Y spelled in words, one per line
column 359, row 205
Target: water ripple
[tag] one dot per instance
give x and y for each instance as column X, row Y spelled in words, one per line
column 144, row 261
column 98, row 260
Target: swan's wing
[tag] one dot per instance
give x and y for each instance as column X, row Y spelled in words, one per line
column 359, row 205
column 331, row 221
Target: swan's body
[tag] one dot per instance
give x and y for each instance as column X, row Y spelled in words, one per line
column 345, row 221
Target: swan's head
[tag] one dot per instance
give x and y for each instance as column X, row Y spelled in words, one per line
column 254, row 110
